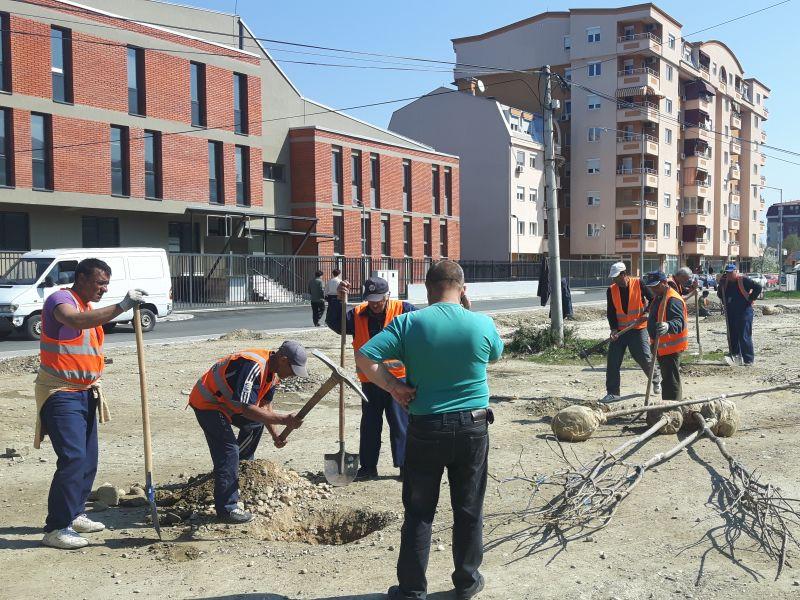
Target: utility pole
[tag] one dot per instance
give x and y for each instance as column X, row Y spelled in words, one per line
column 556, row 316
column 642, row 208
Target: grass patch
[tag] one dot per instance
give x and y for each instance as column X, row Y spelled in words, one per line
column 713, row 356
column 777, row 294
column 538, row 344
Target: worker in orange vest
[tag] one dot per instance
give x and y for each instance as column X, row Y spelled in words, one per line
column 68, row 396
column 683, row 282
column 667, row 323
column 363, row 322
column 238, row 390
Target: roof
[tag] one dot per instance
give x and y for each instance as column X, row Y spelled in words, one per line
column 772, row 210
column 420, row 147
column 727, row 48
column 761, row 83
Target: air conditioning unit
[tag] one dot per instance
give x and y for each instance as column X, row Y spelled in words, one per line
column 680, row 243
column 683, row 214
column 519, row 169
column 683, row 156
column 564, row 117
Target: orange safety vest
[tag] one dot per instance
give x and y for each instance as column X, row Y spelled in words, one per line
column 361, row 337
column 212, row 392
column 671, row 343
column 635, row 304
column 740, row 285
column 79, row 360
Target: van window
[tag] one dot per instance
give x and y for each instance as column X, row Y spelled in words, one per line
column 63, row 272
column 145, row 267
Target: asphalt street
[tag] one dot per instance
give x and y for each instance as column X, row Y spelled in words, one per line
column 202, row 324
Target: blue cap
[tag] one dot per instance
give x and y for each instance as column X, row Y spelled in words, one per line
column 730, row 267
column 654, row 278
column 375, row 289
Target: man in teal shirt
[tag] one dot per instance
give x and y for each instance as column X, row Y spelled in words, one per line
column 445, row 349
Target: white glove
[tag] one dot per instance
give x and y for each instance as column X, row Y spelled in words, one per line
column 131, row 299
column 662, row 328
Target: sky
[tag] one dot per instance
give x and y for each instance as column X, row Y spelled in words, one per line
column 765, row 43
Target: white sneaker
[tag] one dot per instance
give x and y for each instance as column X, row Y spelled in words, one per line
column 64, row 539
column 608, row 398
column 83, row 524
column 656, row 388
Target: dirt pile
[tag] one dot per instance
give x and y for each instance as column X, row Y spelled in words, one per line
column 238, row 335
column 19, row 366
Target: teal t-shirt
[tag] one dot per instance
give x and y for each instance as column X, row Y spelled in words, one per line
column 445, row 349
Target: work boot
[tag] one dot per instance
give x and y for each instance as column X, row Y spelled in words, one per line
column 238, row 516
column 83, row 524
column 473, row 591
column 365, row 474
column 609, row 398
column 64, row 539
column 657, row 388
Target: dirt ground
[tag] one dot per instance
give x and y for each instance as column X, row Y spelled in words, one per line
column 664, row 542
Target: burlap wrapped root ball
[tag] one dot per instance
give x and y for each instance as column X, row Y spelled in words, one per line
column 689, row 422
column 576, row 423
column 726, row 414
column 674, row 419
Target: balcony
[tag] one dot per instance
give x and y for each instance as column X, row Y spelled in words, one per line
column 698, row 133
column 700, row 189
column 628, row 243
column 762, row 203
column 736, row 147
column 763, row 180
column 629, row 112
column 762, row 227
column 735, row 198
column 736, row 120
column 762, row 160
column 704, row 72
column 698, row 246
column 633, row 177
column 641, row 77
column 695, row 217
column 733, row 249
column 633, row 212
column 763, row 137
column 638, row 42
column 733, row 224
column 632, row 144
column 699, row 103
column 735, row 173
column 698, row 160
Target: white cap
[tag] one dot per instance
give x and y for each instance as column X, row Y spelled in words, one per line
column 616, row 269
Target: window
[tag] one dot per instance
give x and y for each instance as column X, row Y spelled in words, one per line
column 374, row 181
column 240, row 116
column 336, row 175
column 755, row 215
column 667, row 200
column 568, row 74
column 668, row 136
column 592, row 35
column 755, row 169
column 338, row 233
column 61, row 63
column 594, row 69
column 152, row 165
column 273, row 171
column 120, row 161
column 727, row 131
column 426, row 238
column 366, row 233
column 520, row 227
column 668, row 106
column 520, row 156
column 533, row 228
column 5, row 53
column 407, row 247
column 407, row 185
column 355, row 177
column 666, row 230
column 448, row 191
column 6, row 152
column 218, row 226
column 198, row 93
column 567, row 42
column 442, row 239
column 567, row 107
column 180, row 238
column 668, row 169
column 713, row 68
column 216, row 190
column 41, row 151
column 669, row 72
column 520, row 193
column 100, row 232
column 514, row 121
column 724, row 235
column 592, row 230
column 14, row 231
column 725, row 209
column 532, row 160
column 593, row 198
column 242, row 176
column 385, row 246
column 725, row 157
column 593, row 101
column 755, row 121
column 593, row 166
column 136, row 81
column 758, row 98
column 671, row 41
column 594, row 134
column 533, row 194
column 435, row 190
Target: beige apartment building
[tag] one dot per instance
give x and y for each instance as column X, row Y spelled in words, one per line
column 645, row 115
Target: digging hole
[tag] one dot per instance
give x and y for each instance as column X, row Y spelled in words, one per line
column 334, row 526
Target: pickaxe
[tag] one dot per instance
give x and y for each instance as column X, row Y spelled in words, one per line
column 337, row 376
column 584, row 354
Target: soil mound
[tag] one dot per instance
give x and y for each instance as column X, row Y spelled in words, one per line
column 241, row 335
column 19, row 365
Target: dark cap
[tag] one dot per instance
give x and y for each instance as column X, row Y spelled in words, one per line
column 654, row 278
column 296, row 354
column 730, row 267
column 375, row 289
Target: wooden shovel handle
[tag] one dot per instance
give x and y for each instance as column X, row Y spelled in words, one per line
column 312, row 402
column 342, row 343
column 148, row 449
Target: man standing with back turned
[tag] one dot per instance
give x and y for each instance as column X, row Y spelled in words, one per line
column 445, row 349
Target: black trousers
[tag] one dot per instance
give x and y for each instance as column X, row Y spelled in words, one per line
column 317, row 310
column 670, row 365
column 458, row 442
column 637, row 341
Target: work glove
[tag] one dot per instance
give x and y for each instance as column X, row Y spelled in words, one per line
column 131, row 299
column 662, row 328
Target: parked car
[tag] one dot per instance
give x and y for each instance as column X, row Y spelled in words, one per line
column 37, row 274
column 772, row 280
column 758, row 278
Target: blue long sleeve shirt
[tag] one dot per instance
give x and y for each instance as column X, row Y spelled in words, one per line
column 333, row 318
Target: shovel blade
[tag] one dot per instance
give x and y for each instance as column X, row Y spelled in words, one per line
column 151, row 498
column 340, row 468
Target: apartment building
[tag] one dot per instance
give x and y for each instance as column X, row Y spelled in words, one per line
column 785, row 213
column 661, row 136
column 501, row 158
column 141, row 122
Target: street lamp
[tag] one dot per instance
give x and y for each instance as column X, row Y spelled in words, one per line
column 516, row 230
column 605, row 242
column 780, row 223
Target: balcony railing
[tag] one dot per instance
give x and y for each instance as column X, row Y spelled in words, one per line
column 636, row 236
column 636, row 171
column 639, row 71
column 635, row 105
column 636, row 137
column 696, row 211
column 639, row 36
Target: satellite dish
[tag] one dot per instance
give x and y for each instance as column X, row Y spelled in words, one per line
column 481, row 86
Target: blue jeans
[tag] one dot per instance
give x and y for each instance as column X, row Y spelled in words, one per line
column 70, row 421
column 226, row 452
column 741, row 330
column 381, row 401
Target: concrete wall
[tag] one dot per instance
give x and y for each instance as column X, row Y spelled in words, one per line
column 484, row 291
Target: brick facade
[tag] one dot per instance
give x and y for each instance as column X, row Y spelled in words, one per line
column 312, row 194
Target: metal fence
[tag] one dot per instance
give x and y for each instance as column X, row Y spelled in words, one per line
column 7, row 259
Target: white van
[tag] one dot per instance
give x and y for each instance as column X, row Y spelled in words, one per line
column 39, row 273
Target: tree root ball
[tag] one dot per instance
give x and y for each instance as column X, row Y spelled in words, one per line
column 674, row 423
column 576, row 423
column 727, row 415
column 689, row 422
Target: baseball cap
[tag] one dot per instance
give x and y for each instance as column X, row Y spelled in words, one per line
column 616, row 269
column 654, row 278
column 297, row 356
column 730, row 267
column 375, row 289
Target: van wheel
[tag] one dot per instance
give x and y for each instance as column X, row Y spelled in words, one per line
column 148, row 320
column 33, row 327
column 109, row 327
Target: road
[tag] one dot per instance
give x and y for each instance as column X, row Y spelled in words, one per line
column 203, row 325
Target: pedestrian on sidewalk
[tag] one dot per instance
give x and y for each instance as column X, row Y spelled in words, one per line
column 316, row 290
column 332, row 287
column 446, row 349
column 668, row 322
column 68, row 396
column 738, row 294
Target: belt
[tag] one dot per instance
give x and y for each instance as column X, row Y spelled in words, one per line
column 477, row 415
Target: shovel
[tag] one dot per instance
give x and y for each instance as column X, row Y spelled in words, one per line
column 730, row 360
column 148, row 450
column 341, row 468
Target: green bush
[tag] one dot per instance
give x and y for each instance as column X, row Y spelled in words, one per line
column 529, row 340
